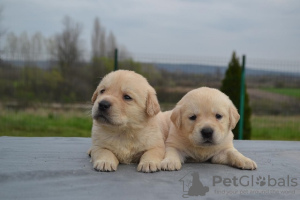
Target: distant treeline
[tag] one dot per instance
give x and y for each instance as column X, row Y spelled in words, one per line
column 76, row 83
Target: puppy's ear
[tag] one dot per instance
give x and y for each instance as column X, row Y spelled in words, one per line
column 152, row 105
column 233, row 116
column 94, row 97
column 176, row 116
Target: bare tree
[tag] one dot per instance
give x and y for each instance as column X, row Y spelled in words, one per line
column 98, row 39
column 51, row 48
column 67, row 50
column 96, row 35
column 25, row 48
column 36, row 46
column 11, row 47
column 111, row 44
column 102, row 46
column 103, row 43
column 2, row 31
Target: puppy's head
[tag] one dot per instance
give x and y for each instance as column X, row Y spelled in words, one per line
column 205, row 116
column 124, row 98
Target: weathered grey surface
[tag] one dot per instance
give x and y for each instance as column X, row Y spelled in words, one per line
column 58, row 168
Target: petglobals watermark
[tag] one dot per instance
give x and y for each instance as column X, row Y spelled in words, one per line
column 195, row 185
column 192, row 186
column 247, row 181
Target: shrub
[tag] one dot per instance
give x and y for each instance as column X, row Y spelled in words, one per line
column 231, row 86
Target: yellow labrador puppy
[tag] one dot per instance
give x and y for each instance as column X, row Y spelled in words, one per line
column 127, row 123
column 201, row 130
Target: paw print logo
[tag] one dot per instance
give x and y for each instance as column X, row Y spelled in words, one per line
column 261, row 181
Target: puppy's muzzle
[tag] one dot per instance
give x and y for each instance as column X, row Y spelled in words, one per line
column 104, row 105
column 207, row 133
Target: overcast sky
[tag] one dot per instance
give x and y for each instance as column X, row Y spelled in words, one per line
column 268, row 29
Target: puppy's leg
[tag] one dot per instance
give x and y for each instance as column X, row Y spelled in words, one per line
column 89, row 152
column 234, row 158
column 150, row 160
column 103, row 159
column 172, row 160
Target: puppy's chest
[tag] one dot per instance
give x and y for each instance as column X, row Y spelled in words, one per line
column 198, row 155
column 127, row 149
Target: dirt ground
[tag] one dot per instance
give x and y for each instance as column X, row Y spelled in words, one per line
column 256, row 94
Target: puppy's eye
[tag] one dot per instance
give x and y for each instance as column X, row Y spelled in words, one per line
column 102, row 91
column 194, row 117
column 127, row 97
column 218, row 116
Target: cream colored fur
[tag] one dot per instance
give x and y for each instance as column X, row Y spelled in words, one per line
column 185, row 139
column 131, row 130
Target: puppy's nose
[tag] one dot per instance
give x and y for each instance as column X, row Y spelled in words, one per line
column 207, row 132
column 104, row 105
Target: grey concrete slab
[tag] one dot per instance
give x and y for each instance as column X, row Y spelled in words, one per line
column 58, row 168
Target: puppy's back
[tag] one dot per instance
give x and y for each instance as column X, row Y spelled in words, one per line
column 164, row 122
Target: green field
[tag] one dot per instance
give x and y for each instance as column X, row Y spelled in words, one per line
column 293, row 92
column 275, row 128
column 42, row 123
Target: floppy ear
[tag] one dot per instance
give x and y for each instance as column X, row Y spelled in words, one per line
column 176, row 116
column 152, row 105
column 233, row 116
column 94, row 97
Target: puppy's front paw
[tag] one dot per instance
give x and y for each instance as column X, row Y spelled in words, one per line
column 148, row 166
column 105, row 165
column 170, row 165
column 245, row 163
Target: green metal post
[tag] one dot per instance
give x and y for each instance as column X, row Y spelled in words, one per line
column 242, row 99
column 116, row 60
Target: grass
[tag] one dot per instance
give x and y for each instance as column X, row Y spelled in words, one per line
column 292, row 92
column 275, row 128
column 39, row 124
column 45, row 123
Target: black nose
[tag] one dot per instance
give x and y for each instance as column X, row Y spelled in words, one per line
column 104, row 105
column 207, row 132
